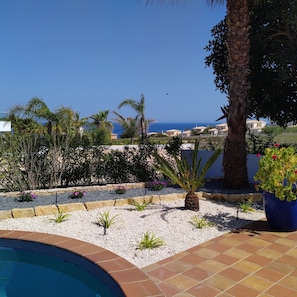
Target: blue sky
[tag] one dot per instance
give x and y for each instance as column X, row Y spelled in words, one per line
column 90, row 55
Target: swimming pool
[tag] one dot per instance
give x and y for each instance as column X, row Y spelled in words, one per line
column 32, row 269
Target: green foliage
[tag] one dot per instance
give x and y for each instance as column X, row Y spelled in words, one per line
column 140, row 206
column 272, row 60
column 258, row 143
column 31, row 161
column 246, row 206
column 60, row 217
column 150, row 241
column 83, row 166
column 106, row 220
column 200, row 223
column 77, row 194
column 120, row 190
column 129, row 165
column 100, row 136
column 187, row 172
column 277, row 172
column 173, row 147
column 26, row 196
column 157, row 185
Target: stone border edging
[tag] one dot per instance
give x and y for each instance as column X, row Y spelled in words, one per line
column 44, row 210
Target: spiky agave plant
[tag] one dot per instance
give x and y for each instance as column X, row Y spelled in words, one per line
column 187, row 173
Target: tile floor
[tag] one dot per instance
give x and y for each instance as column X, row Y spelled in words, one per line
column 252, row 261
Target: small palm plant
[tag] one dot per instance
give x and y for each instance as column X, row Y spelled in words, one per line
column 187, row 173
column 140, row 206
column 150, row 241
column 200, row 223
column 105, row 220
column 60, row 217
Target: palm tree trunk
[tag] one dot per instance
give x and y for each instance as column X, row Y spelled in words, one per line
column 192, row 201
column 238, row 44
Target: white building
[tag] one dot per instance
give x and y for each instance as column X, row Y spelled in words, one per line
column 173, row 132
column 5, row 126
column 255, row 126
column 199, row 129
column 222, row 128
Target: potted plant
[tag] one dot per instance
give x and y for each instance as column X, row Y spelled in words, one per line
column 187, row 172
column 277, row 176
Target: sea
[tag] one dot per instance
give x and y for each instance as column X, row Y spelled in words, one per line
column 162, row 127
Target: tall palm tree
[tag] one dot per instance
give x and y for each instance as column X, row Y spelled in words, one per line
column 100, row 120
column 78, row 124
column 139, row 107
column 65, row 120
column 129, row 125
column 238, row 44
column 236, row 113
column 35, row 109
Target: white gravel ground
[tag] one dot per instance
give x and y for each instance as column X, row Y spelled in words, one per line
column 169, row 221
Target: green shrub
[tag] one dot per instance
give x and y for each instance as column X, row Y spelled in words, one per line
column 105, row 220
column 200, row 222
column 60, row 217
column 140, row 206
column 150, row 241
column 246, row 206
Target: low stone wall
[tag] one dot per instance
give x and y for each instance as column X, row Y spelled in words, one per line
column 70, row 207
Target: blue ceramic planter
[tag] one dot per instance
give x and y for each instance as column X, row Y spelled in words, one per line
column 281, row 215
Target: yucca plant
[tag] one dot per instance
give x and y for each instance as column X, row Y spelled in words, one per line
column 150, row 241
column 187, row 173
column 60, row 217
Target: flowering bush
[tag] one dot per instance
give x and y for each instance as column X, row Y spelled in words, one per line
column 120, row 190
column 157, row 185
column 26, row 196
column 77, row 194
column 277, row 172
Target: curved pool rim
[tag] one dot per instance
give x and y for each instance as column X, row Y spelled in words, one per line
column 129, row 278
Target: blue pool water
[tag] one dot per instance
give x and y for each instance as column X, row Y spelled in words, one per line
column 36, row 270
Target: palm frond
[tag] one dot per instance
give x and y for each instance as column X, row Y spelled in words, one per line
column 187, row 171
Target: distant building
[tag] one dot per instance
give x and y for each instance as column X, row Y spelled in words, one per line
column 186, row 133
column 5, row 126
column 222, row 128
column 113, row 136
column 255, row 126
column 199, row 129
column 213, row 131
column 173, row 132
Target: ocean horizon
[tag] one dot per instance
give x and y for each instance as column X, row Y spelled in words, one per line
column 162, row 127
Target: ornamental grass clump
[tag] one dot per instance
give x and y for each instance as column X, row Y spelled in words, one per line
column 140, row 206
column 246, row 206
column 150, row 241
column 277, row 173
column 26, row 196
column 200, row 223
column 60, row 217
column 106, row 220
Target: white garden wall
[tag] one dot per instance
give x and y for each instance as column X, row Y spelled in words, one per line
column 216, row 171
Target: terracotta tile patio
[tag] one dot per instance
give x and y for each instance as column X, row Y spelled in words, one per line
column 252, row 261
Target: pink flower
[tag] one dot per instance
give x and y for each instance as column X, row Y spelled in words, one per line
column 277, row 144
column 274, row 157
column 258, row 155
